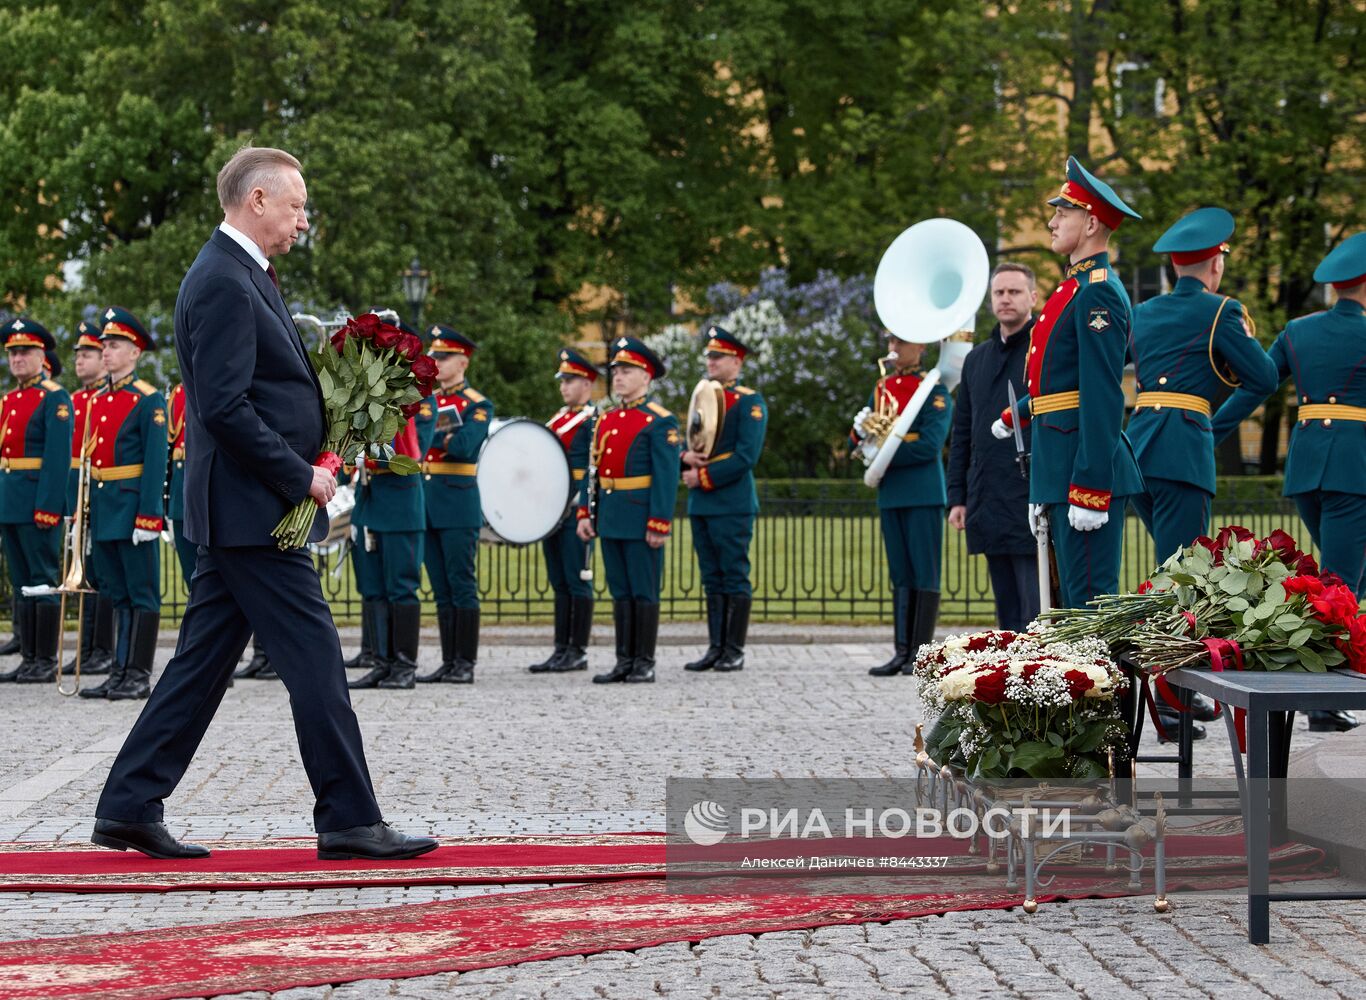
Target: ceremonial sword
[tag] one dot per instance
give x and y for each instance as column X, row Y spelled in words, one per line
column 1038, row 525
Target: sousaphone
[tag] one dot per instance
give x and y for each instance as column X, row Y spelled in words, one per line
column 706, row 416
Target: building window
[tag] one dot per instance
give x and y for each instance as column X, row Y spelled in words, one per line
column 1146, row 282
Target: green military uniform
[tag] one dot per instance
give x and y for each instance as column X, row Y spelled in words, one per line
column 1081, row 462
column 1185, row 346
column 454, row 516
column 911, row 499
column 1324, row 470
column 566, row 555
column 97, row 618
column 721, row 512
column 35, row 456
column 390, row 518
column 633, row 485
column 128, row 466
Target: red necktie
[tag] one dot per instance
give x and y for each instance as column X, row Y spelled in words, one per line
column 274, row 278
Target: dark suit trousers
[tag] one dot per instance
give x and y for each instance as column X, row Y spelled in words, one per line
column 1015, row 585
column 277, row 595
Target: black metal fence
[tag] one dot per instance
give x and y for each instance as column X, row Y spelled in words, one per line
column 817, row 556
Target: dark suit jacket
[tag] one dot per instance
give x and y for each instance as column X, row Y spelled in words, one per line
column 254, row 410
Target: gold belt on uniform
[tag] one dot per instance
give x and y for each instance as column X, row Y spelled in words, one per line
column 1174, row 400
column 449, row 468
column 579, row 474
column 1055, row 402
column 624, row 482
column 115, row 472
column 21, row 464
column 76, row 463
column 1332, row 411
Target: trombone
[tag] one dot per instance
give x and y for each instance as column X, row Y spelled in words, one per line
column 73, row 565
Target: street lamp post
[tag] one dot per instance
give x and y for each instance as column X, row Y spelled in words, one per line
column 415, row 282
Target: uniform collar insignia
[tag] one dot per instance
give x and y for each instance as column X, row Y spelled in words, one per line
column 1095, row 260
column 31, row 382
column 127, row 380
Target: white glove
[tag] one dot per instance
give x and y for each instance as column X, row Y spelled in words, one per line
column 1000, row 431
column 1037, row 513
column 859, row 419
column 1082, row 519
column 355, row 532
column 141, row 535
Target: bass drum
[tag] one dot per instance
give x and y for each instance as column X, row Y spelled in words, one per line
column 525, row 485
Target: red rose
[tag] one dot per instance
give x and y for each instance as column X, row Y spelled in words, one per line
column 1207, row 543
column 1331, row 580
column 339, row 339
column 1353, row 644
column 409, row 410
column 424, row 368
column 409, row 346
column 1336, row 604
column 1284, row 546
column 1302, row 585
column 1029, row 670
column 1232, row 533
column 1306, row 566
column 366, row 325
column 1005, row 639
column 978, row 643
column 388, row 336
column 1078, row 683
column 990, row 686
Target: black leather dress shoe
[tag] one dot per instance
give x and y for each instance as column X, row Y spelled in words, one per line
column 1171, row 720
column 1202, row 707
column 152, row 839
column 1331, row 722
column 378, row 842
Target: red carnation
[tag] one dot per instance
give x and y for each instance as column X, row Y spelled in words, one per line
column 1146, row 587
column 990, row 686
column 1078, row 683
column 409, row 346
column 388, row 336
column 1336, row 604
column 1302, row 584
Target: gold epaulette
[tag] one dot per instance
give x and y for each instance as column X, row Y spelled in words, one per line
column 145, row 387
column 473, row 395
column 51, row 385
column 1099, row 274
column 659, row 410
column 744, row 390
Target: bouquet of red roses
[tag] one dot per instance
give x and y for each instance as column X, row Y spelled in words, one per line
column 374, row 377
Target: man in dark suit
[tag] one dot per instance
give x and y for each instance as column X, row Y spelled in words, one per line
column 254, row 428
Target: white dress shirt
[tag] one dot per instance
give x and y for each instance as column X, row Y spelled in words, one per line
column 246, row 243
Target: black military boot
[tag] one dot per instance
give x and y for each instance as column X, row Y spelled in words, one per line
column 258, row 666
column 561, row 636
column 466, row 646
column 903, row 606
column 384, row 648
column 142, row 650
column 737, row 628
column 97, row 638
column 365, row 659
column 644, row 634
column 923, row 620
column 23, row 623
column 623, row 624
column 716, row 613
column 405, row 621
column 1331, row 721
column 12, row 646
column 122, row 622
column 580, row 630
column 445, row 628
column 47, row 622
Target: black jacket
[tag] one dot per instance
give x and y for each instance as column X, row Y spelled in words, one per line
column 983, row 474
column 254, row 410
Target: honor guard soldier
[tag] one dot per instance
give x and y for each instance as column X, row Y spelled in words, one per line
column 911, row 500
column 391, row 515
column 722, row 504
column 128, row 471
column 628, row 500
column 97, row 637
column 35, row 456
column 453, row 513
column 1185, row 347
column 566, row 557
column 1324, row 472
column 1082, row 468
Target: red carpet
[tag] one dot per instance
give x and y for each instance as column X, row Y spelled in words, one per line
column 293, row 864
column 458, row 935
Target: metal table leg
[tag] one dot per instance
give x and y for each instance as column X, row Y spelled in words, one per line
column 1258, row 825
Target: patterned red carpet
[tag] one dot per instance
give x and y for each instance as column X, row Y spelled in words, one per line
column 458, row 935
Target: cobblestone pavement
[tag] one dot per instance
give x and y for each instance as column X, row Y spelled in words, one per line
column 521, row 753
